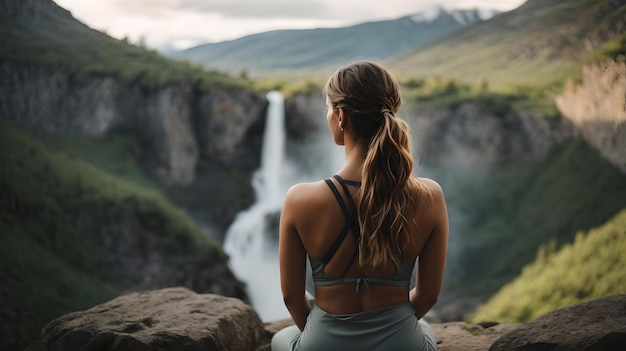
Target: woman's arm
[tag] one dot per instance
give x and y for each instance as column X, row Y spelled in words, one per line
column 292, row 258
column 432, row 259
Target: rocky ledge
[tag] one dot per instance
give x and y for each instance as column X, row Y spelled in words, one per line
column 179, row 319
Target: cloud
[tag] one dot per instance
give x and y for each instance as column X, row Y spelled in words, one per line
column 144, row 8
column 259, row 9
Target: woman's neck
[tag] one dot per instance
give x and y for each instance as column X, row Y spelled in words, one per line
column 355, row 157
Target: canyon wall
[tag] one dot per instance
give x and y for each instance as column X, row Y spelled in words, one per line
column 471, row 136
column 185, row 134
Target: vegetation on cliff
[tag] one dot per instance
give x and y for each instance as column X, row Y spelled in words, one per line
column 444, row 92
column 590, row 267
column 53, row 211
column 520, row 207
column 612, row 50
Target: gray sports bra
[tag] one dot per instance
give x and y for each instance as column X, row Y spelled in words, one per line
column 402, row 277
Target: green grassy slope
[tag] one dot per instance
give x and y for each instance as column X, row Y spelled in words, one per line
column 539, row 44
column 590, row 267
column 114, row 153
column 520, row 207
column 59, row 41
column 50, row 206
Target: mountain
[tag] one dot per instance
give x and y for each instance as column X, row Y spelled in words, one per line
column 326, row 48
column 539, row 43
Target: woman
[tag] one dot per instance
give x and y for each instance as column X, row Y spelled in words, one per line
column 363, row 230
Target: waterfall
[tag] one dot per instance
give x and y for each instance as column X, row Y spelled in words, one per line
column 251, row 241
column 270, row 190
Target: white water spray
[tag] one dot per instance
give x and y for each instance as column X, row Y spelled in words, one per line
column 250, row 241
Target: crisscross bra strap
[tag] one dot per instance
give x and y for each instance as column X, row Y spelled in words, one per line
column 349, row 214
column 351, row 222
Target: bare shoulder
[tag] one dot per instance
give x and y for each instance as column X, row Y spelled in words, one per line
column 431, row 193
column 431, row 186
column 308, row 193
column 302, row 201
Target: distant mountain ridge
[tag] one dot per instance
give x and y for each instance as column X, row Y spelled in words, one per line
column 312, row 50
column 542, row 42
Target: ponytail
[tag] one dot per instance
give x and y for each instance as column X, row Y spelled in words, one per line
column 386, row 202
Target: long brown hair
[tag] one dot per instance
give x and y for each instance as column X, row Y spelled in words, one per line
column 386, row 200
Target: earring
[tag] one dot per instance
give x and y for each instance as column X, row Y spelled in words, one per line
column 342, row 129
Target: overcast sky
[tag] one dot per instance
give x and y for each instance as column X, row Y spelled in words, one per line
column 181, row 24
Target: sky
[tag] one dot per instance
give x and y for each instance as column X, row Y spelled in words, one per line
column 180, row 24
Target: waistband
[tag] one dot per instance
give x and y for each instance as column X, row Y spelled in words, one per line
column 388, row 313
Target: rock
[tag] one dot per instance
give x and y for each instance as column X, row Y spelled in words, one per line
column 166, row 319
column 461, row 336
column 597, row 325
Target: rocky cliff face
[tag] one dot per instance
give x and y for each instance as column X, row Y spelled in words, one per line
column 472, row 136
column 598, row 109
column 178, row 126
column 185, row 134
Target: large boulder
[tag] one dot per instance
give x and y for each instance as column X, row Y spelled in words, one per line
column 597, row 325
column 167, row 319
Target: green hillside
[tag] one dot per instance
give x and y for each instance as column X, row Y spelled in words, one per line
column 51, row 207
column 54, row 39
column 539, row 44
column 590, row 267
column 517, row 208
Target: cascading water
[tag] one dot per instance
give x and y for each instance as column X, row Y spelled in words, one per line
column 253, row 253
column 251, row 241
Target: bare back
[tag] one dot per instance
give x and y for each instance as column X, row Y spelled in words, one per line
column 315, row 216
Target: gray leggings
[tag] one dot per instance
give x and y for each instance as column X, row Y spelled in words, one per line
column 389, row 328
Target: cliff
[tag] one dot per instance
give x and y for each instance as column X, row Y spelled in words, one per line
column 597, row 107
column 473, row 136
column 185, row 133
column 197, row 131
